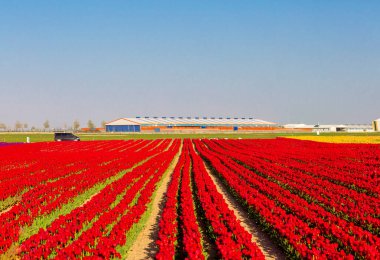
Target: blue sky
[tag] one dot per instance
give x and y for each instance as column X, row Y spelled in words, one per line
column 282, row 61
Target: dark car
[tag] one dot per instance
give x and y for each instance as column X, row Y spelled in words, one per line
column 65, row 137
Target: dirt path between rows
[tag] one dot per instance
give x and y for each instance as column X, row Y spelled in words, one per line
column 145, row 245
column 7, row 209
column 10, row 203
column 89, row 199
column 262, row 240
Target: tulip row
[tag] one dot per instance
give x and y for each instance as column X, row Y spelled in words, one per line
column 192, row 190
column 47, row 162
column 6, row 144
column 168, row 225
column 349, row 204
column 232, row 240
column 43, row 200
column 329, row 161
column 279, row 186
column 109, row 231
column 63, row 231
column 363, row 242
column 291, row 232
column 346, row 203
column 120, row 232
column 179, row 216
column 340, row 139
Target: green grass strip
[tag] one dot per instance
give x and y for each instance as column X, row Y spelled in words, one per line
column 45, row 220
column 9, row 202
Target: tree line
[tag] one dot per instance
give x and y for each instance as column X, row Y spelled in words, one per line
column 21, row 127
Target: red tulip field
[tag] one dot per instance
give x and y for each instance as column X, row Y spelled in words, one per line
column 95, row 199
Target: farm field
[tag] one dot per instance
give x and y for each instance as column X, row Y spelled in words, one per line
column 196, row 198
column 373, row 137
column 47, row 137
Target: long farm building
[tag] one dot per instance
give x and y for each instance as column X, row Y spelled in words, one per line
column 203, row 124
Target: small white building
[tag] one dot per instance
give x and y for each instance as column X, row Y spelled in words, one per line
column 350, row 128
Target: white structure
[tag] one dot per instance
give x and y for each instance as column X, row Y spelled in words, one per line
column 351, row 128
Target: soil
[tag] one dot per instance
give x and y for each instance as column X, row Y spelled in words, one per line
column 89, row 199
column 262, row 240
column 145, row 245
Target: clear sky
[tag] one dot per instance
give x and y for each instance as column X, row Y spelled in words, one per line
column 282, row 61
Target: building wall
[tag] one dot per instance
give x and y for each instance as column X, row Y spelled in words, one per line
column 192, row 128
column 307, row 130
column 123, row 128
column 258, row 128
column 209, row 128
column 358, row 130
column 325, row 129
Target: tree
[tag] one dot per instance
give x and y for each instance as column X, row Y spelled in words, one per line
column 103, row 124
column 76, row 125
column 18, row 125
column 46, row 125
column 25, row 125
column 90, row 125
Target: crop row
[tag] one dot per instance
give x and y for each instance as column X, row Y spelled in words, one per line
column 192, row 190
column 288, row 198
column 52, row 203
